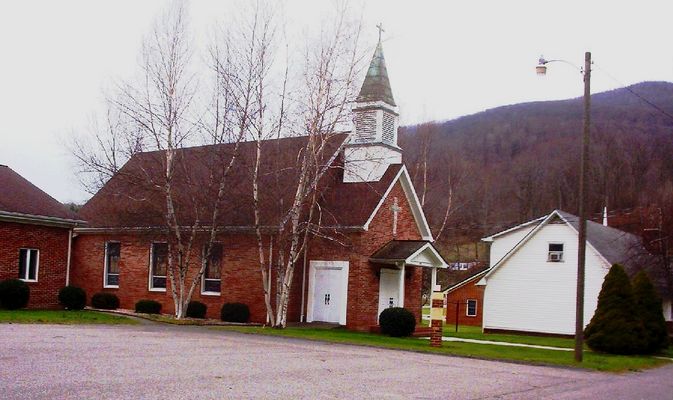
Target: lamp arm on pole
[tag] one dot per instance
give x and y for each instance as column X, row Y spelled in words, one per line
column 543, row 61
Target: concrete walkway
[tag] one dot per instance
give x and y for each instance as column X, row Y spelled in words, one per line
column 533, row 346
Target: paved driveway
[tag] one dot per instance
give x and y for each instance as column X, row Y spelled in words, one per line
column 171, row 362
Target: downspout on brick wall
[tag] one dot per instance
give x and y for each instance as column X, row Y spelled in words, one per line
column 67, row 265
column 302, row 318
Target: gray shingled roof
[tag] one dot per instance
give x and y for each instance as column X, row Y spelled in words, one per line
column 619, row 247
column 398, row 250
column 615, row 245
column 376, row 86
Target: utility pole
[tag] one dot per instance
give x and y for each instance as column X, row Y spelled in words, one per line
column 582, row 245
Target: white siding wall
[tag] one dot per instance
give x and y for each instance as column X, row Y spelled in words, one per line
column 502, row 244
column 527, row 293
column 368, row 163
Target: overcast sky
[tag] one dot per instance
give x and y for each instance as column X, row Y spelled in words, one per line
column 445, row 59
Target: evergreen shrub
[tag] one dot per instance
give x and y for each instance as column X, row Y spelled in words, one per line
column 105, row 301
column 14, row 294
column 650, row 312
column 196, row 309
column 148, row 307
column 72, row 297
column 615, row 328
column 235, row 312
column 397, row 322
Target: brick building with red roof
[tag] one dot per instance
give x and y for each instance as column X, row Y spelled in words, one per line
column 366, row 199
column 35, row 238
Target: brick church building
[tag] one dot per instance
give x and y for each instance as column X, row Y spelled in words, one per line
column 35, row 238
column 366, row 198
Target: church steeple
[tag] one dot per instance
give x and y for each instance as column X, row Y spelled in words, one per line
column 376, row 86
column 373, row 146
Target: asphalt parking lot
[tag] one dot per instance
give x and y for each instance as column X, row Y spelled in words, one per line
column 153, row 361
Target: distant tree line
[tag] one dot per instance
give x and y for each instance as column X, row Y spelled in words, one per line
column 485, row 172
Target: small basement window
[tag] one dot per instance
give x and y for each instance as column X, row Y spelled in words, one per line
column 555, row 252
column 29, row 262
column 471, row 310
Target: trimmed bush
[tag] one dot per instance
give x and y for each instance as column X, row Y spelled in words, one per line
column 615, row 327
column 72, row 298
column 235, row 312
column 397, row 322
column 196, row 309
column 650, row 312
column 148, row 307
column 105, row 301
column 14, row 294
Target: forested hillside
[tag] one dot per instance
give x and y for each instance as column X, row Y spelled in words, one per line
column 480, row 173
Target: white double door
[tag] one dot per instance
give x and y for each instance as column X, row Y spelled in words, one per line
column 391, row 289
column 328, row 291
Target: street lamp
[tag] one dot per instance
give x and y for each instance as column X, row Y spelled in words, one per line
column 541, row 69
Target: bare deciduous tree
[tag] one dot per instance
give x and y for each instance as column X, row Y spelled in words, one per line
column 316, row 109
column 158, row 112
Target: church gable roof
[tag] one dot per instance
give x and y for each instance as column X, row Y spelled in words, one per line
column 129, row 202
column 376, row 86
column 20, row 198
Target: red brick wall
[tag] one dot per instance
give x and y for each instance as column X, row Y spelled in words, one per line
column 461, row 295
column 363, row 281
column 52, row 244
column 241, row 279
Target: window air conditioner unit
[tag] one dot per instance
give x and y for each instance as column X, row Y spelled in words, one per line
column 555, row 256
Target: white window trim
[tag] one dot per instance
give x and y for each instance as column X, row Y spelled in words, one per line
column 467, row 308
column 549, row 260
column 37, row 264
column 105, row 262
column 149, row 272
column 203, row 276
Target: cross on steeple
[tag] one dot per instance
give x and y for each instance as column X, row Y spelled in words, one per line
column 380, row 26
column 395, row 209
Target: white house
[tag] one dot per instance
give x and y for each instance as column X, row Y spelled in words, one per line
column 530, row 285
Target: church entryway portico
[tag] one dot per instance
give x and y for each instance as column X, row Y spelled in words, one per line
column 394, row 258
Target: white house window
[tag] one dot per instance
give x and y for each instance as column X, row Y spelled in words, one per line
column 211, row 280
column 555, row 252
column 158, row 266
column 29, row 262
column 471, row 310
column 112, row 255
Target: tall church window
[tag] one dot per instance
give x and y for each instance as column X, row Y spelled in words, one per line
column 211, row 281
column 158, row 266
column 112, row 255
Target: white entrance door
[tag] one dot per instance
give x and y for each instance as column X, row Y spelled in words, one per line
column 390, row 285
column 328, row 287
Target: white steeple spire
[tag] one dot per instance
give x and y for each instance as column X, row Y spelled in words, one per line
column 373, row 145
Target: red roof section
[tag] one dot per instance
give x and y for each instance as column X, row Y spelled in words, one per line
column 18, row 195
column 134, row 198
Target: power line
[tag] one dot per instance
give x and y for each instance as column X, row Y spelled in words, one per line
column 628, row 88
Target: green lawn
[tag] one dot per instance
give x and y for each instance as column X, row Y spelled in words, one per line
column 61, row 317
column 602, row 362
